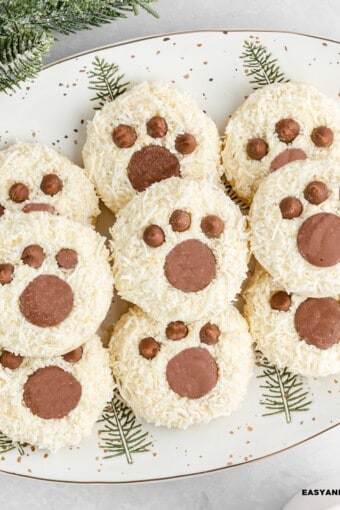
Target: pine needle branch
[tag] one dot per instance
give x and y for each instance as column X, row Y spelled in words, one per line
column 260, row 66
column 284, row 392
column 105, row 81
column 122, row 434
column 27, row 27
column 7, row 445
column 21, row 55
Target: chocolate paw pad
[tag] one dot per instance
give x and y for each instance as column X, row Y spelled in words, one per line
column 176, row 373
column 295, row 227
column 35, row 178
column 50, row 268
column 49, row 402
column 182, row 244
column 275, row 126
column 150, row 133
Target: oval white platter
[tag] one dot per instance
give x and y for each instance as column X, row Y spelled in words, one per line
column 53, row 109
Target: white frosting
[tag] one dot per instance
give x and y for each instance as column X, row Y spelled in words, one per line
column 90, row 281
column 273, row 238
column 275, row 333
column 27, row 163
column 139, row 269
column 20, row 424
column 106, row 164
column 143, row 383
column 256, row 118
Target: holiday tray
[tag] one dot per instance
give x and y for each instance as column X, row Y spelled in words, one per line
column 219, row 69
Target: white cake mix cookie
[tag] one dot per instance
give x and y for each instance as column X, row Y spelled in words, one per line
column 55, row 283
column 177, row 374
column 34, row 177
column 54, row 402
column 180, row 248
column 149, row 133
column 278, row 124
column 295, row 227
column 302, row 334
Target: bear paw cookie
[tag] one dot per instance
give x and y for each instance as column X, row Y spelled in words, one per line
column 54, row 402
column 295, row 227
column 278, row 124
column 149, row 133
column 180, row 248
column 302, row 334
column 34, row 177
column 176, row 373
column 55, row 283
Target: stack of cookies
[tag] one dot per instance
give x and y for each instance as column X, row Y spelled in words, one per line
column 282, row 155
column 55, row 290
column 183, row 355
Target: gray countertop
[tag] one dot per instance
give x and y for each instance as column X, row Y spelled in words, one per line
column 264, row 485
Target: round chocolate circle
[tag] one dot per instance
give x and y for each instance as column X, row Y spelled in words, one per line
column 185, row 143
column 176, row 330
column 67, row 258
column 257, row 148
column 210, row 333
column 10, row 360
column 51, row 184
column 124, row 136
column 317, row 321
column 316, row 192
column 6, row 273
column 33, row 256
column 153, row 236
column 18, row 192
column 38, row 207
column 290, row 208
column 212, row 225
column 322, row 136
column 318, row 240
column 287, row 130
column 51, row 393
column 152, row 163
column 280, row 301
column 149, row 347
column 180, row 220
column 46, row 301
column 192, row 373
column 156, row 127
column 190, row 266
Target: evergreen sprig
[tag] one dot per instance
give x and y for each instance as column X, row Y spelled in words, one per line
column 284, row 392
column 105, row 81
column 122, row 434
column 27, row 27
column 260, row 66
column 7, row 445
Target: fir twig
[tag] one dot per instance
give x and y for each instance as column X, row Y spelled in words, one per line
column 20, row 56
column 122, row 434
column 27, row 27
column 105, row 81
column 260, row 66
column 284, row 392
column 7, row 445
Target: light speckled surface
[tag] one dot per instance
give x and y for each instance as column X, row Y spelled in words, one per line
column 264, row 485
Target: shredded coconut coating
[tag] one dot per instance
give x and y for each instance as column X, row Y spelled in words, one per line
column 275, row 334
column 143, row 382
column 139, row 269
column 20, row 424
column 90, row 281
column 106, row 164
column 27, row 163
column 256, row 118
column 274, row 239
